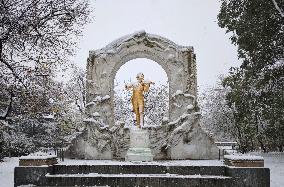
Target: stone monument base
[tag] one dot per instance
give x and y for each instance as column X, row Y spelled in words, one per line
column 139, row 146
column 181, row 173
column 139, row 154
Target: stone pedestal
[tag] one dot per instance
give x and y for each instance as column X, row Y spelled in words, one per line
column 37, row 162
column 38, row 159
column 244, row 161
column 139, row 146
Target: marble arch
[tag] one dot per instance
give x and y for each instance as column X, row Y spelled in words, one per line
column 179, row 137
column 177, row 61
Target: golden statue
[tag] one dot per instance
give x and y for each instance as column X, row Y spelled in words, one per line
column 137, row 98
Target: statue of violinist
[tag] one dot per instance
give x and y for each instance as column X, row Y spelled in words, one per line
column 137, row 98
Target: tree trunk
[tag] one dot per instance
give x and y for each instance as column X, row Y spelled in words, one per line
column 9, row 108
column 262, row 145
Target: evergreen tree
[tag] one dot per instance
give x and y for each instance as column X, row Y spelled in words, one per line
column 256, row 87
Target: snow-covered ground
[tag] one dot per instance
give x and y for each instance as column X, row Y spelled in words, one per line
column 162, row 163
column 7, row 171
column 275, row 161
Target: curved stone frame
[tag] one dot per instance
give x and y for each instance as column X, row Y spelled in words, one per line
column 182, row 137
column 177, row 61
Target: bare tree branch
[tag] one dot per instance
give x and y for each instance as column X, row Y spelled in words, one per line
column 278, row 8
column 30, row 30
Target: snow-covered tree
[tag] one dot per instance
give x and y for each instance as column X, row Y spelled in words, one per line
column 29, row 116
column 74, row 98
column 35, row 38
column 256, row 87
column 217, row 116
column 257, row 100
column 75, row 89
column 33, row 33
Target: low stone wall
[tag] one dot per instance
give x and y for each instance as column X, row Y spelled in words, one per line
column 250, row 177
column 151, row 175
column 25, row 175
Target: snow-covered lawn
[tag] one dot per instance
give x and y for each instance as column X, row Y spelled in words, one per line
column 7, row 171
column 275, row 161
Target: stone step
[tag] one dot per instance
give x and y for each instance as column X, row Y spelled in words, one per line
column 138, row 169
column 138, row 180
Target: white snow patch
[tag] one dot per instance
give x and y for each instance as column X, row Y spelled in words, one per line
column 38, row 155
column 72, row 136
column 190, row 107
column 277, row 64
column 160, row 163
column 189, row 95
column 179, row 119
column 243, row 157
column 7, row 171
column 167, row 175
column 96, row 114
column 233, row 143
column 89, row 120
column 89, row 104
column 49, row 116
column 225, row 147
column 178, row 92
column 98, row 99
column 101, row 99
column 106, row 97
column 165, row 119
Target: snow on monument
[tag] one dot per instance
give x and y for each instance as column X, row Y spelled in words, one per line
column 179, row 137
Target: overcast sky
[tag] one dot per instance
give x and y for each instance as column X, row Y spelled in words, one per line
column 185, row 22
